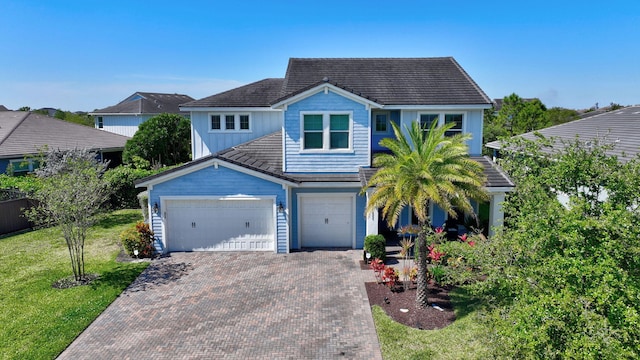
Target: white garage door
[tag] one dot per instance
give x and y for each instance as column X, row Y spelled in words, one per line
column 219, row 225
column 326, row 220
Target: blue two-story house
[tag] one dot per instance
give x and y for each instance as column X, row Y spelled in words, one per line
column 279, row 164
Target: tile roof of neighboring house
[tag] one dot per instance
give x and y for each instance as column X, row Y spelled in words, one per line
column 146, row 103
column 387, row 81
column 264, row 155
column 24, row 133
column 496, row 178
column 619, row 127
column 257, row 94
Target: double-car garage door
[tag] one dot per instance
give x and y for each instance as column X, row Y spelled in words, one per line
column 220, row 225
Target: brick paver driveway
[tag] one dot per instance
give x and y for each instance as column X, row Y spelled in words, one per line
column 304, row 305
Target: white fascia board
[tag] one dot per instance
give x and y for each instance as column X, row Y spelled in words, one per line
column 215, row 162
column 227, row 109
column 437, row 107
column 323, row 87
column 320, row 184
column 118, row 114
column 497, row 190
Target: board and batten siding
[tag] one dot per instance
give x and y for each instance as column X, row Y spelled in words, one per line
column 126, row 125
column 221, row 182
column 359, row 217
column 206, row 142
column 297, row 161
column 472, row 124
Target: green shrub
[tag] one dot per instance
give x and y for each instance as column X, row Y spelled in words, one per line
column 27, row 184
column 121, row 180
column 140, row 238
column 376, row 246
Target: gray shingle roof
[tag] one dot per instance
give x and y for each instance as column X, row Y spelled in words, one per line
column 388, row 81
column 257, row 94
column 620, row 127
column 147, row 103
column 264, row 155
column 25, row 133
column 496, row 178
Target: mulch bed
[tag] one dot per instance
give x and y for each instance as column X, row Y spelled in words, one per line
column 420, row 318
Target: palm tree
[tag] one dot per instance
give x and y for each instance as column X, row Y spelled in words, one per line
column 425, row 166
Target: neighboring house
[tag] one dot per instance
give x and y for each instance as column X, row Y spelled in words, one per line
column 279, row 164
column 25, row 134
column 125, row 117
column 3, row 108
column 619, row 127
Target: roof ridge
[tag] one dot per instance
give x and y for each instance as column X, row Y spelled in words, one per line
column 27, row 114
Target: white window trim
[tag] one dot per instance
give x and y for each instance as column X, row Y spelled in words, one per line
column 100, row 122
column 373, row 125
column 326, row 132
column 441, row 115
column 223, row 122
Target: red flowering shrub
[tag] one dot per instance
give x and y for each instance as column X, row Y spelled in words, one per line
column 139, row 238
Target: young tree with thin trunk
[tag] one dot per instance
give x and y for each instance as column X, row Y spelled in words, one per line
column 425, row 165
column 73, row 191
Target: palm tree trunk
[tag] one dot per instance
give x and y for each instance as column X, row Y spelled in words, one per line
column 423, row 278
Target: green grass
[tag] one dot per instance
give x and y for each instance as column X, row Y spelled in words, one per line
column 460, row 340
column 38, row 321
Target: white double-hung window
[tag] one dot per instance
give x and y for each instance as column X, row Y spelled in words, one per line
column 229, row 122
column 326, row 131
column 458, row 119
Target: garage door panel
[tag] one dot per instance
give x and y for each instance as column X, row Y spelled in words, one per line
column 326, row 221
column 220, row 225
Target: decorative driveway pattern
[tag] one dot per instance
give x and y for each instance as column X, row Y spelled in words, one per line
column 249, row 305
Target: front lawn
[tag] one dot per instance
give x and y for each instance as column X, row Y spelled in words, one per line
column 38, row 321
column 460, row 340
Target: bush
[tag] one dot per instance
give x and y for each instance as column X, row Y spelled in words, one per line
column 27, row 184
column 140, row 238
column 376, row 246
column 121, row 180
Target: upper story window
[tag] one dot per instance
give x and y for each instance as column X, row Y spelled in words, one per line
column 326, row 131
column 456, row 119
column 100, row 122
column 426, row 120
column 229, row 122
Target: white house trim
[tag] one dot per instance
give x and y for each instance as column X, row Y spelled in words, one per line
column 325, row 88
column 236, row 109
column 436, row 107
column 214, row 162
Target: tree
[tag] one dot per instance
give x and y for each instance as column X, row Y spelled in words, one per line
column 162, row 140
column 558, row 115
column 426, row 166
column 563, row 278
column 516, row 116
column 70, row 197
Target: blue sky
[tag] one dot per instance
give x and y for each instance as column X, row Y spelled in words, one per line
column 87, row 54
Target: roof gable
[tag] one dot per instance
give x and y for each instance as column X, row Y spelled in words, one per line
column 147, row 103
column 390, row 81
column 23, row 133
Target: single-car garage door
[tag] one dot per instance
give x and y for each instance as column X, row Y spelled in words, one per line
column 219, row 225
column 326, row 220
